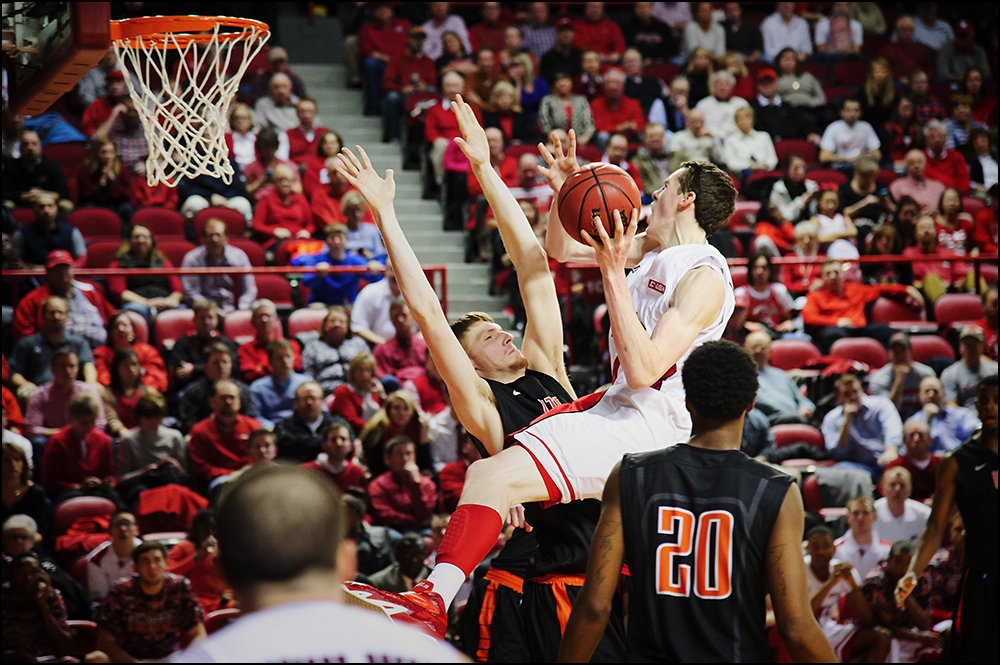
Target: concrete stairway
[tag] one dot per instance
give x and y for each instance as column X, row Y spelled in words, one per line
column 340, row 110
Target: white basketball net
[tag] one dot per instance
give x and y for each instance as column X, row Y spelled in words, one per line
column 185, row 123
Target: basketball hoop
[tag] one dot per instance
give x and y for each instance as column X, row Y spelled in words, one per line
column 185, row 123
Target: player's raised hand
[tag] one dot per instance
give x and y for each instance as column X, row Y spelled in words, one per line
column 561, row 165
column 378, row 192
column 612, row 251
column 473, row 141
column 907, row 583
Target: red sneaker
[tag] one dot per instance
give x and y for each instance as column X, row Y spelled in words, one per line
column 423, row 607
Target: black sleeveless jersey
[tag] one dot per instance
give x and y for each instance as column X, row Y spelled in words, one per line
column 563, row 532
column 696, row 524
column 976, row 498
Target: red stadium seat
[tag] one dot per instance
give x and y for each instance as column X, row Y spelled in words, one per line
column 274, row 288
column 816, row 69
column 164, row 224
column 588, row 153
column 885, row 177
column 253, row 250
column 861, row 349
column 873, row 45
column 788, row 354
column 238, row 328
column 953, row 307
column 100, row 254
column 787, row 435
column 804, row 149
column 739, row 274
column 665, row 71
column 762, row 175
column 926, row 347
column 23, row 216
column 812, row 500
column 171, row 325
column 835, row 92
column 236, row 225
column 84, row 636
column 140, row 325
column 850, row 72
column 972, row 205
column 71, row 510
column 306, row 320
column 219, row 619
column 744, row 210
column 96, row 223
column 901, row 315
column 69, row 156
column 989, row 273
column 827, row 176
column 175, row 250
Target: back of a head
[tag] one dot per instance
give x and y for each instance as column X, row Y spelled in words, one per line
column 720, row 380
column 276, row 524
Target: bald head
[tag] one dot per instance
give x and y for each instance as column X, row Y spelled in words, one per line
column 277, row 524
column 758, row 345
column 932, row 391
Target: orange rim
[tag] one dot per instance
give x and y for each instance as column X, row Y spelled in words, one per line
column 163, row 31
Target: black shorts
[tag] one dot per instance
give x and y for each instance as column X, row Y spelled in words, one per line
column 548, row 602
column 975, row 627
column 491, row 622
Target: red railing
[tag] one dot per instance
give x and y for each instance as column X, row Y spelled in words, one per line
column 441, row 287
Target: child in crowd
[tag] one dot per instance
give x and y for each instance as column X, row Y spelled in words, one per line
column 833, row 224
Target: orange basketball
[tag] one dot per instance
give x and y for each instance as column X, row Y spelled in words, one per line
column 597, row 190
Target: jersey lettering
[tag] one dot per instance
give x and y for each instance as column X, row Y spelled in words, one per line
column 549, row 403
column 712, row 543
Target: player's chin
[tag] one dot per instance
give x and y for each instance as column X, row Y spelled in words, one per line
column 518, row 363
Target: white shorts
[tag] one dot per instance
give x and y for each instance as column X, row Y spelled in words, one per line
column 577, row 445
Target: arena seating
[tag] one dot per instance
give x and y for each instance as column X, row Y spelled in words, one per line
column 789, row 354
column 861, row 349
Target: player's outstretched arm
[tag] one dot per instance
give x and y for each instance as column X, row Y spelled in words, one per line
column 786, row 578
column 543, row 334
column 607, row 554
column 470, row 395
column 934, row 529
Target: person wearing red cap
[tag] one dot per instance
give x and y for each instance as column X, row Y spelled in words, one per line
column 957, row 57
column 88, row 308
column 98, row 112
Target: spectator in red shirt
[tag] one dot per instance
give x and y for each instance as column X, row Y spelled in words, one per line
column 479, row 83
column 989, row 323
column 301, row 141
column 218, row 444
column 452, row 476
column 489, row 31
column 283, row 213
column 79, row 459
column 379, row 42
column 984, row 231
column 918, row 459
column 254, row 361
column 944, row 165
column 837, row 309
column 148, row 294
column 197, row 558
column 617, row 153
column 954, row 225
column 121, row 335
column 336, row 461
column 614, row 112
column 103, row 181
column 984, row 107
column 98, row 112
column 927, row 107
column 408, row 72
column 402, row 497
column 403, row 351
column 935, row 277
column 359, row 399
column 596, row 31
column 905, row 55
column 903, row 131
column 259, row 175
column 318, row 174
column 441, row 125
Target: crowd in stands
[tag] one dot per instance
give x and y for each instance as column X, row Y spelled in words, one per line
column 851, row 131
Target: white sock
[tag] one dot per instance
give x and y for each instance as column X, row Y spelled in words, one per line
column 447, row 579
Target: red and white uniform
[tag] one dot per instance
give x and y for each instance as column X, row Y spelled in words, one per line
column 838, row 634
column 576, row 445
column 767, row 307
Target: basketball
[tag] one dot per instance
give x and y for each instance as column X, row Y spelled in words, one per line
column 599, row 189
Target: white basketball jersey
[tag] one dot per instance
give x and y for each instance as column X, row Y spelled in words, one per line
column 651, row 285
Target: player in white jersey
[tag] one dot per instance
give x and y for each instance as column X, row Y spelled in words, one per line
column 281, row 549
column 683, row 297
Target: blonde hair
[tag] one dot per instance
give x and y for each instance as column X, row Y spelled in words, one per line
column 872, row 93
column 505, row 88
column 733, row 59
column 241, row 107
column 352, row 199
column 376, row 427
column 524, row 60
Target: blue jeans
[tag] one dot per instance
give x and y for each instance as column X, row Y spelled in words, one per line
column 373, row 68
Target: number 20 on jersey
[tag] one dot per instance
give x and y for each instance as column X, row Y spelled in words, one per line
column 703, row 544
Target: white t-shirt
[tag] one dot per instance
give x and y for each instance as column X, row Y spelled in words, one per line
column 863, row 557
column 907, row 527
column 848, row 142
column 317, row 632
column 371, row 310
column 105, row 568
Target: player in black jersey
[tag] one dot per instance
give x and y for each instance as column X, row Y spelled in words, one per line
column 967, row 477
column 495, row 390
column 706, row 532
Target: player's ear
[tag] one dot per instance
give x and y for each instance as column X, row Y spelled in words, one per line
column 752, row 405
column 687, row 200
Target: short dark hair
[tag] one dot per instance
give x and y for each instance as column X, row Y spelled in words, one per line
column 268, row 138
column 338, row 422
column 257, row 433
column 214, row 389
column 63, row 351
column 396, row 441
column 276, row 523
column 900, row 547
column 985, row 384
column 843, row 102
column 720, row 380
column 151, row 405
column 279, row 345
column 148, row 546
column 715, row 194
column 84, row 404
column 410, row 540
column 907, row 201
column 819, row 531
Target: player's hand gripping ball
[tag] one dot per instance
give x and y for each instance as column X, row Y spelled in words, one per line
column 596, row 191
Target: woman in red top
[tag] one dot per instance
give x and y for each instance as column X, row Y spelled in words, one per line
column 902, row 132
column 121, row 335
column 283, row 213
column 197, row 558
column 953, row 223
column 103, row 181
column 144, row 294
column 359, row 399
column 398, row 416
column 260, row 175
column 317, row 174
column 744, row 82
column 123, row 393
